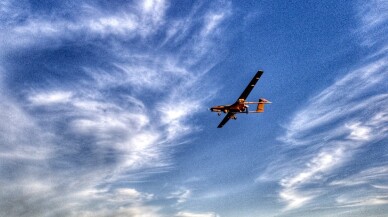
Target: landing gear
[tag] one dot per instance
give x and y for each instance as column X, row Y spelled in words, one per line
column 234, row 117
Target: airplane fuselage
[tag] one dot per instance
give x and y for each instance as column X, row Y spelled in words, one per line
column 237, row 107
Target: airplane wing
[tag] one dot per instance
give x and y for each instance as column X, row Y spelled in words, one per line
column 251, row 85
column 226, row 119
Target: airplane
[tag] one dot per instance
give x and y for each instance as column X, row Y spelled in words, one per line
column 241, row 106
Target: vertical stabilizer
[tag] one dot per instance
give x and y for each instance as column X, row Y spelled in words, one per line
column 261, row 104
column 260, row 107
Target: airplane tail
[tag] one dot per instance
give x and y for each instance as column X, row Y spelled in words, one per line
column 261, row 104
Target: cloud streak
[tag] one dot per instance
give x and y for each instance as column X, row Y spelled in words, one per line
column 79, row 130
column 190, row 214
column 335, row 146
column 341, row 121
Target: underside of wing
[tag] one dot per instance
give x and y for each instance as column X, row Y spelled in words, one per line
column 226, row 119
column 251, row 85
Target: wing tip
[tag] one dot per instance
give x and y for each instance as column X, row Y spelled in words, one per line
column 259, row 74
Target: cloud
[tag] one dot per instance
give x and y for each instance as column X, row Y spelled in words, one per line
column 373, row 19
column 54, row 97
column 363, row 201
column 190, row 214
column 323, row 137
column 181, row 195
column 370, row 176
column 20, row 136
column 212, row 21
column 108, row 112
column 88, row 21
column 350, row 129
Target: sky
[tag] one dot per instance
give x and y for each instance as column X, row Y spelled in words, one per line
column 105, row 108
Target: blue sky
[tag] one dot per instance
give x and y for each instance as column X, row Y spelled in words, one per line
column 105, row 108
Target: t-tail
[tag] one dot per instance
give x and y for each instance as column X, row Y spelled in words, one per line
column 261, row 104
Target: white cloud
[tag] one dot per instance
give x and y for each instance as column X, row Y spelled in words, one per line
column 367, row 176
column 53, row 97
column 83, row 136
column 191, row 214
column 359, row 132
column 131, row 194
column 362, row 202
column 329, row 130
column 321, row 164
column 337, row 149
column 133, row 211
column 153, row 11
column 373, row 19
column 335, row 102
column 114, row 25
column 212, row 21
column 20, row 136
column 294, row 198
column 89, row 22
column 181, row 195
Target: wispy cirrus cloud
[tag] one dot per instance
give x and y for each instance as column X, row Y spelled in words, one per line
column 365, row 188
column 324, row 136
column 181, row 195
column 108, row 111
column 89, row 21
column 357, row 119
column 367, row 176
column 191, row 214
column 373, row 17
